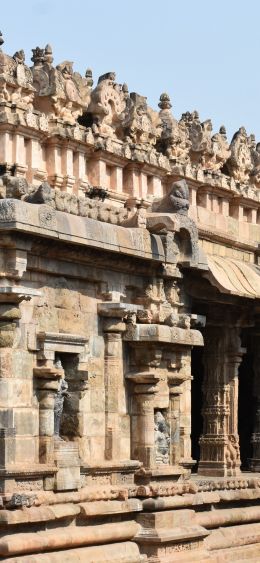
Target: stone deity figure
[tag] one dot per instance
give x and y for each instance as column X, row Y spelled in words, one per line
column 59, row 402
column 162, row 438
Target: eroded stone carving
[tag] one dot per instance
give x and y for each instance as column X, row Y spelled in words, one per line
column 174, row 140
column 162, row 438
column 220, row 152
column 199, row 136
column 59, row 403
column 60, row 91
column 107, row 105
column 142, row 125
column 16, row 82
column 175, row 201
column 241, row 164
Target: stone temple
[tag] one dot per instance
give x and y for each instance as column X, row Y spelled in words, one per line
column 129, row 325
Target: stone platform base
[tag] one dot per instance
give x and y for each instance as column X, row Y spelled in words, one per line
column 126, row 552
column 199, row 520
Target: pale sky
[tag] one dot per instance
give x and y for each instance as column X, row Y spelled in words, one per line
column 205, row 54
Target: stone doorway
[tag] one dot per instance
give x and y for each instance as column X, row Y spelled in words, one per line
column 197, row 371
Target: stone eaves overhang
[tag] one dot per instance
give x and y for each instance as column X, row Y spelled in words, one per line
column 44, row 221
column 234, row 277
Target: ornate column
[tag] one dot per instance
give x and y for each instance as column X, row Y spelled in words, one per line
column 255, row 440
column 219, row 442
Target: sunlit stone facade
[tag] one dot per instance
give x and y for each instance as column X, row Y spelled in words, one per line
column 129, row 325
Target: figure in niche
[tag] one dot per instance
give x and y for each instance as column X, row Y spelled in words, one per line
column 162, row 438
column 59, row 401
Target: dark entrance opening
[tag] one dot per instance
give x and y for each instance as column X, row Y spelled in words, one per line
column 246, row 407
column 197, row 371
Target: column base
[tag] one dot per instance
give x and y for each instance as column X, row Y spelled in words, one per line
column 217, row 469
column 23, row 479
column 161, row 472
column 66, row 456
column 171, row 536
column 114, row 472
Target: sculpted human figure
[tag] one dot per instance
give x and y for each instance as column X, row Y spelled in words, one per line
column 199, row 135
column 162, row 438
column 220, row 151
column 59, row 401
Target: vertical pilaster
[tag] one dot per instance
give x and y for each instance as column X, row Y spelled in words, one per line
column 142, row 423
column 113, row 373
column 174, row 421
column 47, row 390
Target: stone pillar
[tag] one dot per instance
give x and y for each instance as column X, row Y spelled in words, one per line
column 47, row 390
column 97, row 173
column 54, row 163
column 131, row 180
column 36, row 171
column 20, row 155
column 80, row 172
column 154, row 186
column 113, row 371
column 255, row 440
column 174, row 421
column 67, row 168
column 7, row 447
column 6, row 148
column 116, row 180
column 142, row 422
column 219, row 443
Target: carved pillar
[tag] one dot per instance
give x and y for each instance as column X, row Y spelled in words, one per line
column 219, row 443
column 255, row 440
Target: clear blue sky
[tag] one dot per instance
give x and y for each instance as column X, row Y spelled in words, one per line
column 204, row 53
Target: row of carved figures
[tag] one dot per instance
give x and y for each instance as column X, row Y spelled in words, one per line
column 109, row 111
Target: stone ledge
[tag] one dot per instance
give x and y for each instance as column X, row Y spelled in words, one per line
column 20, row 543
column 22, row 471
column 103, row 467
column 100, row 508
column 115, row 553
column 164, row 334
column 173, row 535
column 44, row 221
column 38, row 514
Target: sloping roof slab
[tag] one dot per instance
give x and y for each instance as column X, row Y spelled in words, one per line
column 234, row 277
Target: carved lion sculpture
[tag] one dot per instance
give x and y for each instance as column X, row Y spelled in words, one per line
column 175, row 201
